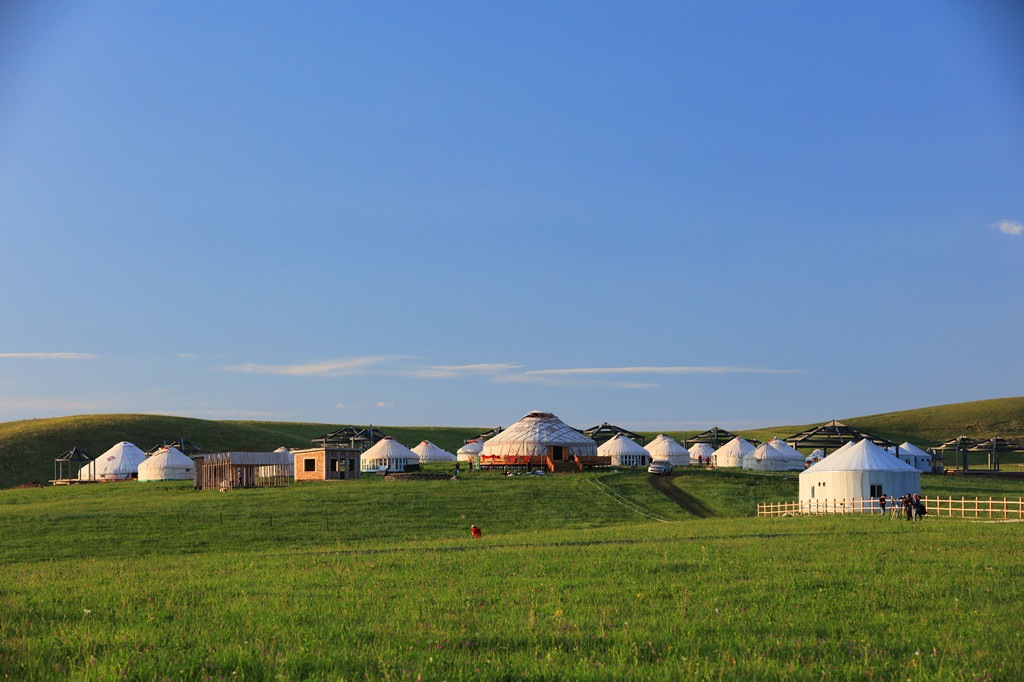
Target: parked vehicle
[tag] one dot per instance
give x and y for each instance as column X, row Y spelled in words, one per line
column 660, row 467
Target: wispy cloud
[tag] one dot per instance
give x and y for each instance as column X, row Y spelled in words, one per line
column 385, row 403
column 346, row 406
column 1009, row 227
column 454, row 371
column 49, row 356
column 326, row 368
column 658, row 370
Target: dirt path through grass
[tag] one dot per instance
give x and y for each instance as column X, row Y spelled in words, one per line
column 686, row 502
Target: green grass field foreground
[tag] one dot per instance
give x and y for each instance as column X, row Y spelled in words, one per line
column 592, row 576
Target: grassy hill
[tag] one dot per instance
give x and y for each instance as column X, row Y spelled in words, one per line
column 28, row 448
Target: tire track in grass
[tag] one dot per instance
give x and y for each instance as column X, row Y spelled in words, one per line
column 686, row 501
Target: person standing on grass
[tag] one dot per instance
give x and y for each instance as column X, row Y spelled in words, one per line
column 908, row 504
column 476, row 532
column 881, row 503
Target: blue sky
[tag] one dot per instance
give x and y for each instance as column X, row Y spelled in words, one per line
column 659, row 214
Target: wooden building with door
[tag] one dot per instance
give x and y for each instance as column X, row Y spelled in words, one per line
column 327, row 463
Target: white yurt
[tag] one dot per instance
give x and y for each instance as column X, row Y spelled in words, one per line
column 796, row 460
column 666, row 449
column 815, row 456
column 428, row 452
column 468, row 451
column 168, row 464
column 858, row 472
column 388, row 454
column 540, row 434
column 624, row 452
column 702, row 450
column 732, row 453
column 119, row 462
column 767, row 457
column 914, row 456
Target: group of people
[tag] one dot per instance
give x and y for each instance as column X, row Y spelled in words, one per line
column 913, row 506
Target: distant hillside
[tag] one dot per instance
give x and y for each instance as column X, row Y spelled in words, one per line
column 28, row 448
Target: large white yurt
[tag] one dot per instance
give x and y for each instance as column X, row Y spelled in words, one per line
column 119, row 462
column 732, row 453
column 858, row 472
column 168, row 464
column 914, row 456
column 540, row 434
column 796, row 460
column 767, row 457
column 702, row 450
column 387, row 454
column 666, row 449
column 470, row 450
column 428, row 452
column 624, row 452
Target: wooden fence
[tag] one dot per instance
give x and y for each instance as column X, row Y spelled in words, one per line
column 964, row 507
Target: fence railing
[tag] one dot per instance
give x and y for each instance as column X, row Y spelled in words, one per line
column 963, row 507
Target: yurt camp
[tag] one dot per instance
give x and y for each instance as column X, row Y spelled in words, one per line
column 469, row 451
column 624, row 452
column 121, row 462
column 428, row 452
column 732, row 453
column 914, row 456
column 858, row 472
column 168, row 464
column 388, row 455
column 540, row 439
column 767, row 457
column 700, row 453
column 665, row 448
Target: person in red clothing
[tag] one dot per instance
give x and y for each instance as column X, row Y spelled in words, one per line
column 476, row 532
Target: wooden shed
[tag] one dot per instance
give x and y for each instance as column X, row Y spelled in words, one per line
column 328, row 463
column 227, row 470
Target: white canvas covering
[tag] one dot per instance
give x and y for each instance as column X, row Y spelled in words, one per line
column 732, row 453
column 119, row 462
column 428, row 452
column 702, row 450
column 538, row 434
column 388, row 454
column 470, row 450
column 851, row 475
column 667, row 449
column 815, row 456
column 168, row 464
column 767, row 457
column 914, row 456
column 624, row 452
column 792, row 455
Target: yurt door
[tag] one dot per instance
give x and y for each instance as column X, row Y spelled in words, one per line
column 557, row 453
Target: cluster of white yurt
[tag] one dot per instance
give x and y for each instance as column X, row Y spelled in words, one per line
column 167, row 464
column 428, row 452
column 913, row 455
column 540, row 434
column 118, row 463
column 469, row 451
column 624, row 452
column 858, row 471
column 732, row 453
column 388, row 454
column 774, row 455
column 701, row 453
column 666, row 449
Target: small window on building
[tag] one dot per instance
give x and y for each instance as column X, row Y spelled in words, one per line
column 334, row 465
column 876, row 491
column 309, row 464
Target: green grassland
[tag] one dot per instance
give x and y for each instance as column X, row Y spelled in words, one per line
column 590, row 576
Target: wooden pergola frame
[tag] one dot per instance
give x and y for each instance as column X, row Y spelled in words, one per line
column 833, row 435
column 70, row 457
column 602, row 433
column 994, row 447
column 352, row 437
column 958, row 445
column 715, row 437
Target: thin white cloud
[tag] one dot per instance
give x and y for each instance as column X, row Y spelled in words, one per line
column 185, row 356
column 453, row 371
column 327, row 368
column 344, row 406
column 49, row 356
column 1009, row 227
column 657, row 370
column 385, row 403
